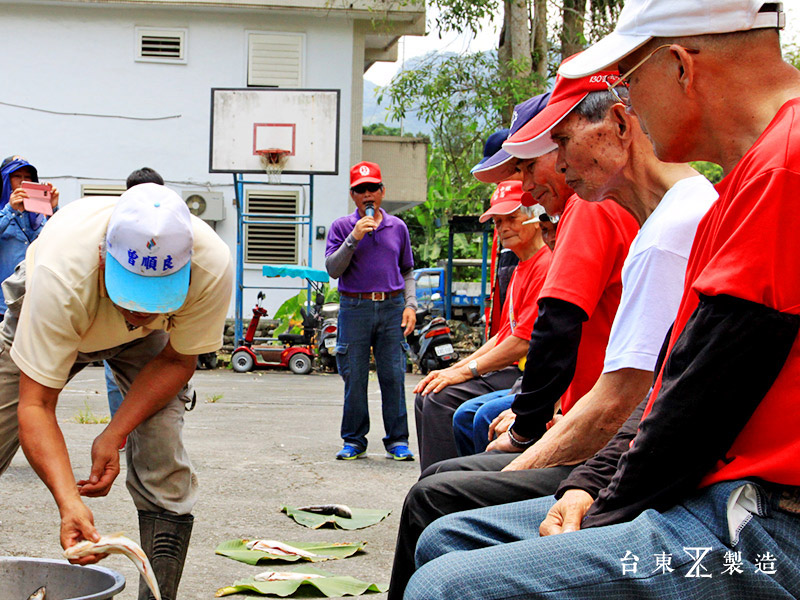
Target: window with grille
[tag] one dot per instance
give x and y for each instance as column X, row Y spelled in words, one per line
column 274, row 242
column 102, row 190
column 275, row 59
column 161, row 45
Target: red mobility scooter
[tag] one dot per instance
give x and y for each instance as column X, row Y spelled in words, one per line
column 294, row 351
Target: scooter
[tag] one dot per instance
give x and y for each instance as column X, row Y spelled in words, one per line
column 430, row 345
column 326, row 337
column 296, row 354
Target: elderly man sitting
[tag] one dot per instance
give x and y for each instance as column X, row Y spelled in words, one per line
column 493, row 366
column 709, row 475
column 604, row 154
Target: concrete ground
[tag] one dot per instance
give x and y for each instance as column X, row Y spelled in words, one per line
column 258, row 441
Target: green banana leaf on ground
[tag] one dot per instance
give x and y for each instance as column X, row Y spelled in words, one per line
column 237, row 550
column 362, row 517
column 327, row 586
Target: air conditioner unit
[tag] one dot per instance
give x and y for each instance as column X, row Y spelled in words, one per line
column 209, row 206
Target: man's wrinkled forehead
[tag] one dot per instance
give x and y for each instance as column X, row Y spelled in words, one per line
column 512, row 215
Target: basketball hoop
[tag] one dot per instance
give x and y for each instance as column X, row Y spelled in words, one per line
column 273, row 161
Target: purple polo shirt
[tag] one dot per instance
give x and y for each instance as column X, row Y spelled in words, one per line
column 378, row 260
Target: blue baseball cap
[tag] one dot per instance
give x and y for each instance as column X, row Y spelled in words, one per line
column 493, row 144
column 148, row 250
column 500, row 166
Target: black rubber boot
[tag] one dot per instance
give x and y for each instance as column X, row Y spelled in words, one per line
column 165, row 540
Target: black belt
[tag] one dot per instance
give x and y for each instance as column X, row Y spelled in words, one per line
column 374, row 296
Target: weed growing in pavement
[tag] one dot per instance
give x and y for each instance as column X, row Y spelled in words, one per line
column 213, row 398
column 87, row 417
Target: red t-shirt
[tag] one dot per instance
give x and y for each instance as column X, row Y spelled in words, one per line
column 520, row 308
column 748, row 246
column 592, row 242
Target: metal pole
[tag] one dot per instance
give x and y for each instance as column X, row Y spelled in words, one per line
column 484, row 270
column 310, row 232
column 237, row 327
column 448, row 301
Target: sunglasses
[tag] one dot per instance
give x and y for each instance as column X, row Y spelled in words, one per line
column 366, row 187
column 545, row 218
column 623, row 79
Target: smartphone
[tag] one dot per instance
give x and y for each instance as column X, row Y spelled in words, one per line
column 38, row 199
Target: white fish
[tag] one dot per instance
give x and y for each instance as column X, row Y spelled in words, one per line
column 277, row 548
column 118, row 544
column 286, row 576
column 38, row 594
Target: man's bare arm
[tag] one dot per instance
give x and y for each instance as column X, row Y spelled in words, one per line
column 591, row 422
column 43, row 444
column 42, row 441
column 495, row 358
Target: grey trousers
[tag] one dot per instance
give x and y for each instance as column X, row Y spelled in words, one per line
column 462, row 484
column 434, row 413
column 160, row 476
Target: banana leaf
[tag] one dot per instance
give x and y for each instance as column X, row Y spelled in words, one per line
column 237, row 550
column 328, row 586
column 362, row 517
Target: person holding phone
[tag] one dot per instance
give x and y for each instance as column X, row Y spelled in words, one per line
column 18, row 228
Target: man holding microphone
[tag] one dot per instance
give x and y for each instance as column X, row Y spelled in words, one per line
column 369, row 252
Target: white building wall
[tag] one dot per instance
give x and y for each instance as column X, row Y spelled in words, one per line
column 80, row 59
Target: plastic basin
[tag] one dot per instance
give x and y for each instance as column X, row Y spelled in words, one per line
column 20, row 576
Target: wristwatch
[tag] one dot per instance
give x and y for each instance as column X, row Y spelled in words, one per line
column 473, row 368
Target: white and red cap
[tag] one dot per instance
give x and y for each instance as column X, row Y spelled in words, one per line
column 533, row 138
column 507, row 198
column 148, row 250
column 365, row 172
column 641, row 20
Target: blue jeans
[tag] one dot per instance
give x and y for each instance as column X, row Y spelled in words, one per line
column 472, row 419
column 496, row 552
column 364, row 325
column 112, row 389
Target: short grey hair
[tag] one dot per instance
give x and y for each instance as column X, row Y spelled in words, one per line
column 594, row 107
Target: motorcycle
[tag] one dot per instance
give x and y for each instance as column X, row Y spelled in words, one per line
column 430, row 344
column 326, row 337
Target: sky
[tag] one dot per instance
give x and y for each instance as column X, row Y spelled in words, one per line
column 412, row 45
column 381, row 73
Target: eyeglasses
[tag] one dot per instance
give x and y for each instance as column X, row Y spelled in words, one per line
column 366, row 187
column 623, row 80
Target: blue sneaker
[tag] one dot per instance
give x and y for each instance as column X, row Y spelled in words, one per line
column 350, row 452
column 400, row 452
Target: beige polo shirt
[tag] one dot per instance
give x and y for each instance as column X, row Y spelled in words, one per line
column 67, row 310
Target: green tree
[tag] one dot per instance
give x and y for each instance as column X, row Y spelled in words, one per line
column 464, row 98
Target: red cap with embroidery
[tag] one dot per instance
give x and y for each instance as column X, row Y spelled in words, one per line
column 507, row 198
column 365, row 172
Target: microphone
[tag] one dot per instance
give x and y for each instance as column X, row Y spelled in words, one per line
column 369, row 210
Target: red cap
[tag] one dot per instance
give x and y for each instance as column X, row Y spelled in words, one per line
column 507, row 198
column 533, row 138
column 365, row 172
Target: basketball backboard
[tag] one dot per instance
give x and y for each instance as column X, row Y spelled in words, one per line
column 247, row 120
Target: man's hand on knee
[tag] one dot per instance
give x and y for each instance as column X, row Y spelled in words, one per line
column 501, row 423
column 566, row 514
column 442, row 379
